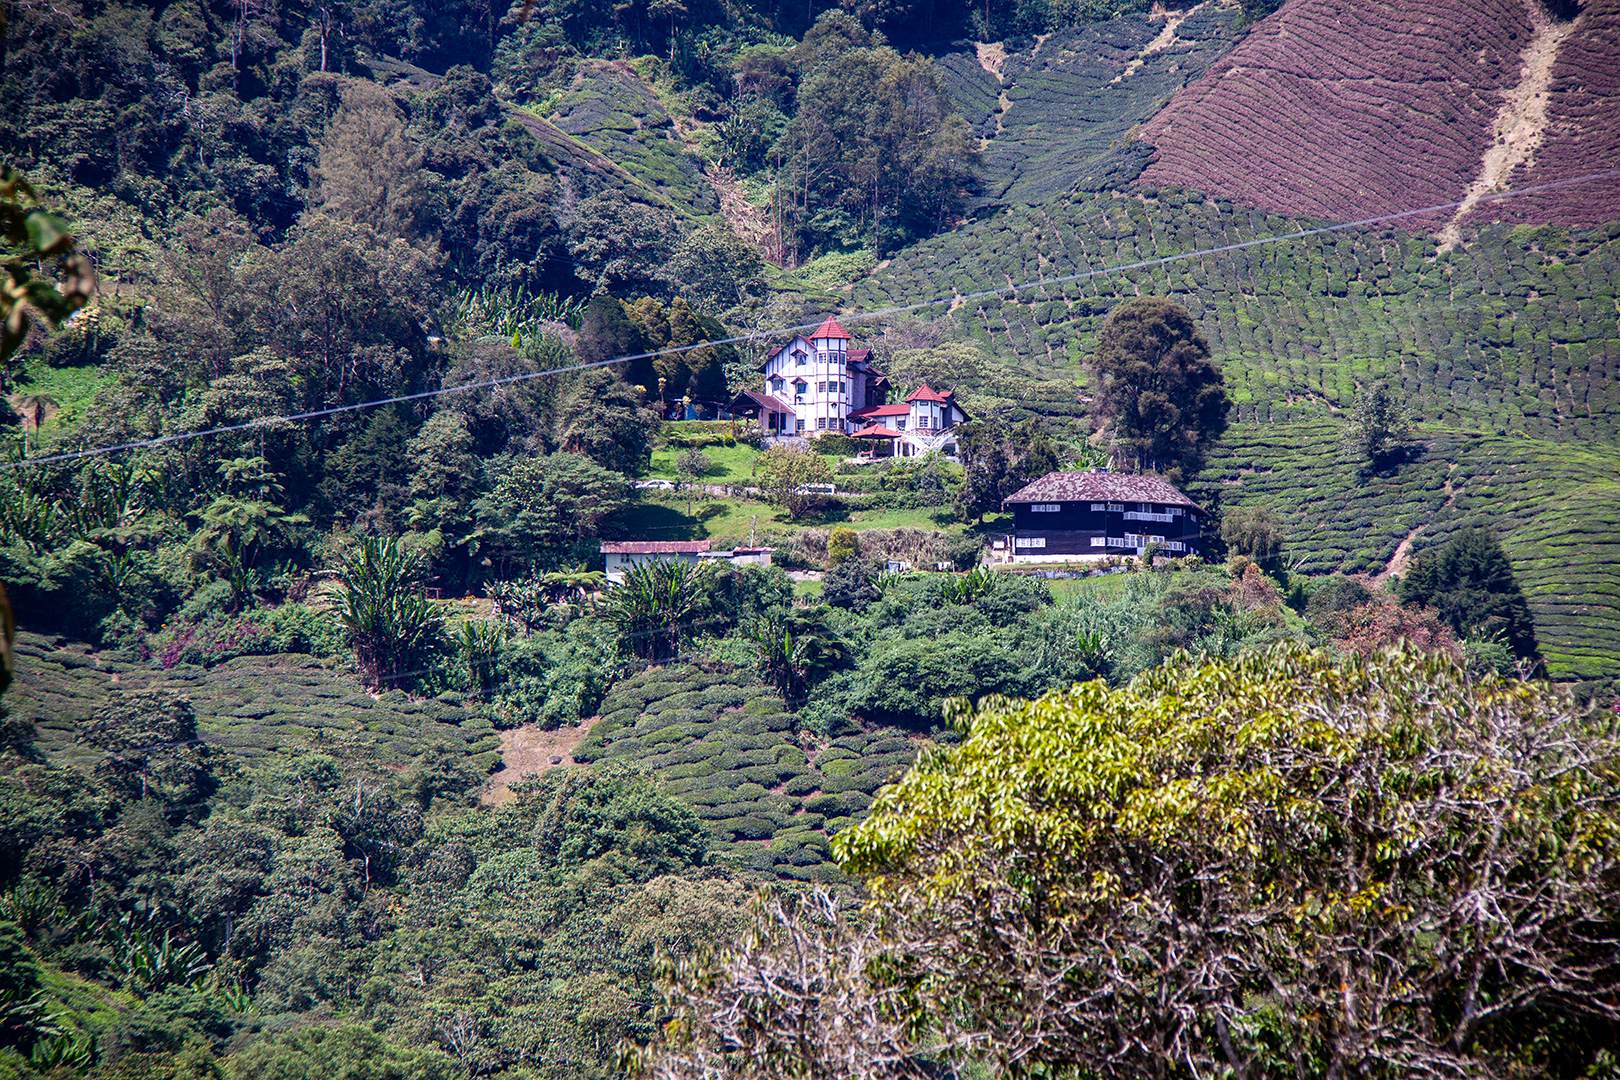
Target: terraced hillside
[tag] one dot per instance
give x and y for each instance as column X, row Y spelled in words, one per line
column 1344, row 110
column 1507, row 351
column 1582, row 132
column 1057, row 117
column 1557, row 506
column 725, row 744
column 609, row 109
column 250, row 707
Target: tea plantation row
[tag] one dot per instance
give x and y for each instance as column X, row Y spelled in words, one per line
column 1507, row 352
column 619, row 116
column 725, row 744
column 1517, row 333
column 1556, row 507
column 250, row 706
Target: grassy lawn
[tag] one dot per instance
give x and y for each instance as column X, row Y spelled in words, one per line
column 1101, row 587
column 728, row 464
column 667, row 515
column 72, row 387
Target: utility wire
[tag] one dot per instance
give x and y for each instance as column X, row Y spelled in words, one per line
column 901, row 309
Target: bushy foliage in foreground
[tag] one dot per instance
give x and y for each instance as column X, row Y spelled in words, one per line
column 1276, row 865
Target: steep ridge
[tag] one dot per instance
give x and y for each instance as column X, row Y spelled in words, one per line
column 1582, row 131
column 1347, row 109
column 1059, row 116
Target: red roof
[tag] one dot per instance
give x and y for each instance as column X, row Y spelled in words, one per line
column 830, row 329
column 876, row 431
column 881, row 410
column 654, row 547
column 923, row 393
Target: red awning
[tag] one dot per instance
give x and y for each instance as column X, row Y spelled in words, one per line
column 877, row 431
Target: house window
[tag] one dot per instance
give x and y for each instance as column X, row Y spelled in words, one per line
column 1176, row 511
column 821, row 423
column 1046, row 508
column 800, row 427
column 776, row 383
column 1116, row 508
column 899, row 425
column 840, row 386
column 1029, row 541
column 1099, row 541
column 798, row 357
column 821, row 388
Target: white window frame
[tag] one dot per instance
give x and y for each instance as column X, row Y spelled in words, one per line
column 1028, row 542
column 1099, row 541
column 1046, row 508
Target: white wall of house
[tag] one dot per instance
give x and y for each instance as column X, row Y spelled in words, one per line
column 617, row 564
column 813, row 376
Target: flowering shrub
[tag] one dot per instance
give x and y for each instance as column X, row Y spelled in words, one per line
column 217, row 637
column 208, row 643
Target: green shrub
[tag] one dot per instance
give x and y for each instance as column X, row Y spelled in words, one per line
column 747, row 828
column 828, row 805
column 803, row 784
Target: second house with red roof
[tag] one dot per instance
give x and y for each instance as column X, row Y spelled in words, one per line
column 818, row 383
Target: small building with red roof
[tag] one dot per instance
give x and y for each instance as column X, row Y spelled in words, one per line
column 818, row 382
column 812, row 384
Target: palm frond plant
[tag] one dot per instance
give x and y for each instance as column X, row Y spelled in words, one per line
column 655, row 606
column 388, row 620
column 573, row 582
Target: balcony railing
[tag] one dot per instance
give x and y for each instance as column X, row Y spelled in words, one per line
column 1148, row 515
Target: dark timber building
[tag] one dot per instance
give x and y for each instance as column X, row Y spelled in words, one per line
column 1096, row 514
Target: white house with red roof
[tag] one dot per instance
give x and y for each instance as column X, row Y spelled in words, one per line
column 818, row 383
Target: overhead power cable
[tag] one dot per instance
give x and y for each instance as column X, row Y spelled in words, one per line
column 900, row 309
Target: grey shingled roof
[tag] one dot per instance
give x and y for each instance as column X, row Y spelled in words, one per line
column 1099, row 487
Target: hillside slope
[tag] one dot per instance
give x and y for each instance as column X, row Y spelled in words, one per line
column 1347, row 110
column 1582, row 133
column 1507, row 352
column 1056, row 116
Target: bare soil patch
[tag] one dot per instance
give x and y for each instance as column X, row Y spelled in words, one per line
column 1521, row 123
column 527, row 750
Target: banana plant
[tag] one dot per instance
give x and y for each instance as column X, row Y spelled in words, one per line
column 655, row 605
column 479, row 644
column 25, row 1017
column 968, row 587
column 65, row 1050
column 27, row 905
column 386, row 615
column 145, row 962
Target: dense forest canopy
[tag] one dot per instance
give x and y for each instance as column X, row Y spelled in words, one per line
column 332, row 752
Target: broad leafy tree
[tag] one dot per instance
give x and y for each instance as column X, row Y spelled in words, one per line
column 1158, row 391
column 876, row 154
column 784, row 474
column 1379, row 431
column 541, row 509
column 1254, row 532
column 1275, row 865
column 605, row 419
column 36, row 238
